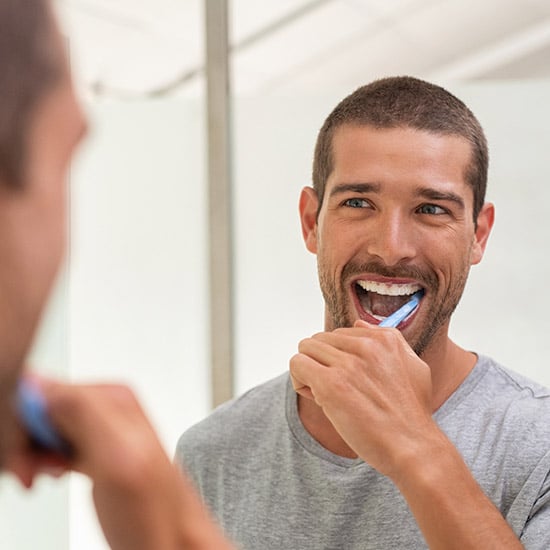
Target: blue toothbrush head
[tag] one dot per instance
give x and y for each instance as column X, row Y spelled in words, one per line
column 403, row 312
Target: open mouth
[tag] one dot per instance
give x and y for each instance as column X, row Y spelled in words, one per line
column 379, row 300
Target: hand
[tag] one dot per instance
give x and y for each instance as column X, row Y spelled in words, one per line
column 142, row 500
column 372, row 387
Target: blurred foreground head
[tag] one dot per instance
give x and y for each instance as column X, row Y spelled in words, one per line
column 31, row 64
column 40, row 124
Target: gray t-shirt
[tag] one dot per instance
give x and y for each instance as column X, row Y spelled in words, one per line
column 272, row 486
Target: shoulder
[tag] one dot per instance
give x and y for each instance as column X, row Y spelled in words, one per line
column 522, row 403
column 498, row 408
column 510, row 385
column 239, row 419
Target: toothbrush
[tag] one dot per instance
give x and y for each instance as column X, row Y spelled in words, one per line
column 403, row 312
column 32, row 410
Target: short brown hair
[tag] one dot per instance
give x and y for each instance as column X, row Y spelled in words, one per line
column 405, row 101
column 31, row 63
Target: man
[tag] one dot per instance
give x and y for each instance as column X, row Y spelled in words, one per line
column 142, row 500
column 381, row 437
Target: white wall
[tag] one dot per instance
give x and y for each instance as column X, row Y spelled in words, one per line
column 504, row 311
column 138, row 286
column 135, row 306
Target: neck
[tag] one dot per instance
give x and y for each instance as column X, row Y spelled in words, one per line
column 449, row 364
column 320, row 428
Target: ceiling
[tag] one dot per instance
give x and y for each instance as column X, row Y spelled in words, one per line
column 131, row 48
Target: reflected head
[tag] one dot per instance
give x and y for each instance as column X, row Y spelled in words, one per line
column 405, row 102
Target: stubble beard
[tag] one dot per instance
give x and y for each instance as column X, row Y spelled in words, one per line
column 341, row 313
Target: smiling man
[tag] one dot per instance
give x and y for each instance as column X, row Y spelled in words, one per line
column 386, row 437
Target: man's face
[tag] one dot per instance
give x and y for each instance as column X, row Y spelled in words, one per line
column 396, row 217
column 32, row 231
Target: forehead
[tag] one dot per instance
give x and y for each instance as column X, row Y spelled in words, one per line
column 363, row 154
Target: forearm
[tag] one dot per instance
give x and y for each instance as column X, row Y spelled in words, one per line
column 143, row 501
column 448, row 504
column 160, row 510
column 198, row 531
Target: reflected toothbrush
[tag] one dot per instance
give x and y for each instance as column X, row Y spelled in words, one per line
column 403, row 312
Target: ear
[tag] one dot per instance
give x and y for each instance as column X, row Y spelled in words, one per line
column 308, row 217
column 485, row 220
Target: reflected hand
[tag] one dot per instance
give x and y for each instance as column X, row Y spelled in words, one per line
column 372, row 387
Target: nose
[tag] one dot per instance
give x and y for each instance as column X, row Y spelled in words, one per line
column 392, row 240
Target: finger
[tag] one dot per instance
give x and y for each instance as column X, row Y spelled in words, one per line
column 96, row 420
column 369, row 328
column 346, row 331
column 320, row 350
column 344, row 340
column 306, row 374
column 353, row 341
column 304, row 391
column 26, row 464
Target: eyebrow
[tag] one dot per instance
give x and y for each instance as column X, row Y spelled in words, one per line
column 436, row 195
column 342, row 188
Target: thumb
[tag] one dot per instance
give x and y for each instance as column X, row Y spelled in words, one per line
column 362, row 324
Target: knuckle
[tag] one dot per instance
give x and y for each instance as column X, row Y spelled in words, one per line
column 390, row 338
column 340, row 380
column 303, row 344
column 295, row 361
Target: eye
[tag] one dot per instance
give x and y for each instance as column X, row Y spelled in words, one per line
column 357, row 203
column 431, row 209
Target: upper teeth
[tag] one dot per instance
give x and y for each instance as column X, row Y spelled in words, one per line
column 389, row 289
